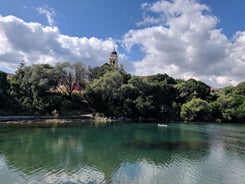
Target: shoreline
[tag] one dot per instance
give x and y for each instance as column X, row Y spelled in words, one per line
column 50, row 121
column 28, row 118
column 69, row 121
column 44, row 121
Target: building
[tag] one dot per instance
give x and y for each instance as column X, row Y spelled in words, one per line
column 113, row 58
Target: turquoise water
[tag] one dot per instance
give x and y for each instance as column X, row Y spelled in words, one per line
column 124, row 153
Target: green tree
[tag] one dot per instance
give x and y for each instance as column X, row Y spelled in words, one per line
column 226, row 90
column 240, row 89
column 30, row 87
column 231, row 103
column 4, row 84
column 103, row 93
column 97, row 72
column 195, row 110
column 232, row 107
column 161, row 78
column 192, row 88
column 149, row 98
column 5, row 100
column 164, row 95
column 20, row 90
column 128, row 94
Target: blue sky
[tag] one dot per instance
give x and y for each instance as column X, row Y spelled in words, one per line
column 111, row 18
column 202, row 39
column 107, row 18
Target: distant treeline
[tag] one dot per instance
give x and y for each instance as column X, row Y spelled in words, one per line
column 73, row 89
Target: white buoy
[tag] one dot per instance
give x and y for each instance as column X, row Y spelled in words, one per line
column 162, row 125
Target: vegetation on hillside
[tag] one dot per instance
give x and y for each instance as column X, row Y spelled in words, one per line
column 73, row 89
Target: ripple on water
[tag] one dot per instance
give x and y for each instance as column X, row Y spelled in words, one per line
column 1, row 162
column 86, row 174
column 211, row 155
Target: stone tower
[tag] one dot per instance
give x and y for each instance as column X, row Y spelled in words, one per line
column 113, row 58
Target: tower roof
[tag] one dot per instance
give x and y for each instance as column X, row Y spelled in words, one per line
column 114, row 52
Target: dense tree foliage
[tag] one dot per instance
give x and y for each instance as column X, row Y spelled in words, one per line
column 232, row 104
column 192, row 88
column 4, row 95
column 103, row 93
column 72, row 89
column 36, row 89
column 195, row 110
column 30, row 88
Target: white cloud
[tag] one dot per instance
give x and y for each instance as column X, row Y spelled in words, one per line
column 150, row 20
column 178, row 37
column 35, row 43
column 184, row 42
column 48, row 12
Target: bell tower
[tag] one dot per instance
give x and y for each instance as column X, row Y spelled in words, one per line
column 113, row 58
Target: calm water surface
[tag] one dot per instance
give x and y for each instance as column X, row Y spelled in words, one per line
column 124, row 153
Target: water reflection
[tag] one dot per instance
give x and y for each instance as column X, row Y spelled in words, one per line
column 119, row 153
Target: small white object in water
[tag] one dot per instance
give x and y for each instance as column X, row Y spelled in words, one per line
column 162, row 125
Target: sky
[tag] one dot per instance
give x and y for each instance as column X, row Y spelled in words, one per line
column 200, row 39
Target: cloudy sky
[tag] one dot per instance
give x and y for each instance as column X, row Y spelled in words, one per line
column 201, row 39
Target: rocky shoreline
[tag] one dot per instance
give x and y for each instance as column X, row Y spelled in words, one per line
column 43, row 121
column 50, row 121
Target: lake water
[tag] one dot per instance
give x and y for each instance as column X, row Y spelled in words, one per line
column 124, row 153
